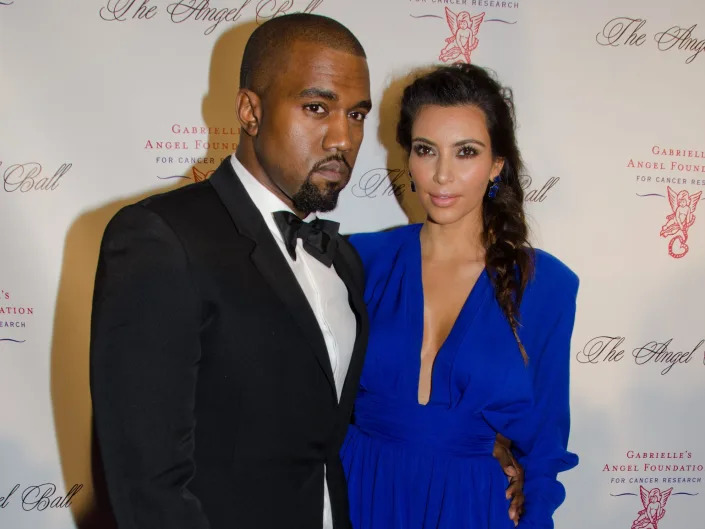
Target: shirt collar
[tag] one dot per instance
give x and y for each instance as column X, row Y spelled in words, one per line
column 265, row 201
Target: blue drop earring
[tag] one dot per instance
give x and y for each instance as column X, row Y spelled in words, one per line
column 494, row 187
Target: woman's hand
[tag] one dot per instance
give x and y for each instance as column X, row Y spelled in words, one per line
column 514, row 471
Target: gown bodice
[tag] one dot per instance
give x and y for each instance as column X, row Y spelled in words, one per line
column 480, row 385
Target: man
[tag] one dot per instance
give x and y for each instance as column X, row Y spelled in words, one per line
column 228, row 336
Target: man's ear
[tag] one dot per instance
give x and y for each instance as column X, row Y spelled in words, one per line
column 249, row 111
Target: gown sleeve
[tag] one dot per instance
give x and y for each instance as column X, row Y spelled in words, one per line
column 544, row 454
column 539, row 427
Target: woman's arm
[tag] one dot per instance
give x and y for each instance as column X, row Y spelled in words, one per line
column 544, row 454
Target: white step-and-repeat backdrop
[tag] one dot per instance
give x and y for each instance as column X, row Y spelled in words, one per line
column 107, row 101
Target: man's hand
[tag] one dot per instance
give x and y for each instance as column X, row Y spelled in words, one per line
column 514, row 471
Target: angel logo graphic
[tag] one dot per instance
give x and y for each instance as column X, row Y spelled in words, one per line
column 199, row 176
column 679, row 221
column 463, row 40
column 196, row 174
column 654, row 502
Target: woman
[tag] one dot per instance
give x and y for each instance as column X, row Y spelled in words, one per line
column 452, row 360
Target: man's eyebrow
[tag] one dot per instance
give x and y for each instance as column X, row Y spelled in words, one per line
column 365, row 105
column 319, row 92
column 329, row 95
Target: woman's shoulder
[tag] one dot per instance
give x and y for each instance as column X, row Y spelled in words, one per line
column 552, row 274
column 376, row 244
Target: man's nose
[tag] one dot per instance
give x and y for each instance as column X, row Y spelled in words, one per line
column 338, row 133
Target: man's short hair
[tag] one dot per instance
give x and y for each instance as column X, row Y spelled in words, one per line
column 267, row 48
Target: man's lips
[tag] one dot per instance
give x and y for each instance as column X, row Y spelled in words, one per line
column 334, row 171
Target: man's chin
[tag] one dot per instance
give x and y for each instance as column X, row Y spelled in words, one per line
column 328, row 206
column 312, row 203
column 327, row 202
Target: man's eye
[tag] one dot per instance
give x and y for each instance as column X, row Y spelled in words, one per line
column 358, row 116
column 315, row 108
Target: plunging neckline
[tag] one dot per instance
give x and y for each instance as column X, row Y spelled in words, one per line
column 465, row 317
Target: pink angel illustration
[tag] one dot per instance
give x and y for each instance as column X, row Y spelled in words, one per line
column 463, row 40
column 654, row 502
column 677, row 223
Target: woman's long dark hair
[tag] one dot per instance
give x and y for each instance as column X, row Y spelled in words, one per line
column 509, row 258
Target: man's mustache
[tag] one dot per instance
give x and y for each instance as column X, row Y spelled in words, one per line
column 333, row 163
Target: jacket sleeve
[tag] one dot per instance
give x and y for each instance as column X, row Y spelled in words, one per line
column 144, row 358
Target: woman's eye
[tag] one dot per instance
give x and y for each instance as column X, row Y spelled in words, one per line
column 422, row 150
column 467, row 151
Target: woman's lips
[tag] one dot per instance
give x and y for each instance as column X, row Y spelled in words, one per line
column 443, row 201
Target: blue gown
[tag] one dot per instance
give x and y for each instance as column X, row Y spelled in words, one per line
column 411, row 466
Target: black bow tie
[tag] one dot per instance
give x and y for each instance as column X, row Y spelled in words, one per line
column 319, row 236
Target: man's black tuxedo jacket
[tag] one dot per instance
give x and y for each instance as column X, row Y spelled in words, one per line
column 214, row 400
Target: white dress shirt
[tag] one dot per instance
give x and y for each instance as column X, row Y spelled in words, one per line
column 325, row 291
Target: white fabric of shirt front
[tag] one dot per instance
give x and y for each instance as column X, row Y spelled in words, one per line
column 325, row 291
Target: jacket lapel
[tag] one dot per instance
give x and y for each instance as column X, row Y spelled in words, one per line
column 345, row 262
column 271, row 263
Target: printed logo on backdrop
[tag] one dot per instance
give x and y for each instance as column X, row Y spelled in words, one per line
column 682, row 170
column 6, row 2
column 179, row 152
column 15, row 320
column 661, row 355
column 202, row 12
column 464, row 26
column 31, row 176
column 654, row 503
column 463, row 36
column 677, row 223
column 38, row 497
column 630, row 32
column 648, row 479
column 387, row 182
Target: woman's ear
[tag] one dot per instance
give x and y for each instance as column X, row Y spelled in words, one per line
column 497, row 167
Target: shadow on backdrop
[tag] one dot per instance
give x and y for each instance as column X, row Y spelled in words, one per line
column 397, row 159
column 78, row 450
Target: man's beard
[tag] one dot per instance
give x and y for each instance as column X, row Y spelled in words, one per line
column 309, row 198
